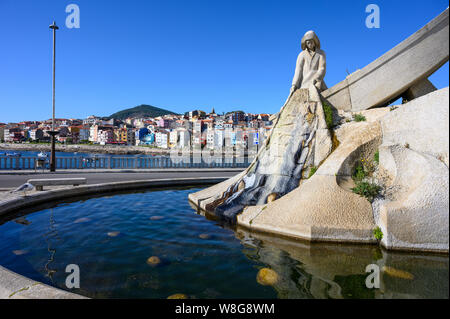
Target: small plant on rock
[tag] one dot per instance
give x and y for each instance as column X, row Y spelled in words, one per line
column 359, row 173
column 376, row 157
column 378, row 234
column 364, row 169
column 359, row 118
column 366, row 189
column 369, row 166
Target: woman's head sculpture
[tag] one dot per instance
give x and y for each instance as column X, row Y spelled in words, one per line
column 310, row 35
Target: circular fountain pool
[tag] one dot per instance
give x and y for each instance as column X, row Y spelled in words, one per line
column 153, row 245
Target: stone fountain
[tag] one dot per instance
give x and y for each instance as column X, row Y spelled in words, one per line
column 277, row 194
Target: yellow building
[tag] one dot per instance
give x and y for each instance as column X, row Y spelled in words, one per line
column 120, row 135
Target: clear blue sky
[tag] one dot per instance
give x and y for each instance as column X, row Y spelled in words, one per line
column 184, row 55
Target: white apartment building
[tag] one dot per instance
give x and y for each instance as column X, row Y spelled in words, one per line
column 7, row 135
column 93, row 133
column 173, row 138
column 36, row 134
column 227, row 125
column 210, row 139
column 139, row 123
column 219, row 136
column 219, row 124
column 105, row 137
column 91, row 120
column 197, row 127
column 162, row 139
column 185, row 139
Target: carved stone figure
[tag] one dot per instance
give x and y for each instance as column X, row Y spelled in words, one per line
column 298, row 142
column 311, row 64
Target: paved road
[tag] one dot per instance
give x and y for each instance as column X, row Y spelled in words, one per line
column 11, row 181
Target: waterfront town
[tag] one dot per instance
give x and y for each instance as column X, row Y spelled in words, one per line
column 194, row 129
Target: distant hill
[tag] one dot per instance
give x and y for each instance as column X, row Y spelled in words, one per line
column 140, row 111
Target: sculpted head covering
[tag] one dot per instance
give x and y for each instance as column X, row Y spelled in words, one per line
column 310, row 35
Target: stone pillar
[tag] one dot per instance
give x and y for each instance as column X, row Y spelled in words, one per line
column 419, row 89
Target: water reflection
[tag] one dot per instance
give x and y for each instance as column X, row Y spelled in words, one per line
column 325, row 270
column 49, row 236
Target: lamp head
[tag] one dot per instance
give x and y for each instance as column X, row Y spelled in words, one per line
column 54, row 26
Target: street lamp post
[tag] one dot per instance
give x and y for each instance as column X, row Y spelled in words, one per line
column 53, row 133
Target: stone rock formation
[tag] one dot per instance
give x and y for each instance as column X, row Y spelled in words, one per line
column 298, row 141
column 413, row 144
column 414, row 155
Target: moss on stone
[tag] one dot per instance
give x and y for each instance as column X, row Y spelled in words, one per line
column 328, row 111
column 312, row 170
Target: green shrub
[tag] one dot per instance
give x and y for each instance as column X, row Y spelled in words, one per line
column 376, row 158
column 328, row 111
column 359, row 173
column 364, row 168
column 378, row 234
column 359, row 118
column 312, row 171
column 366, row 189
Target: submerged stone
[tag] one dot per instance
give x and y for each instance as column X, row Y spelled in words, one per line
column 267, row 277
column 156, row 217
column 178, row 296
column 22, row 221
column 20, row 252
column 204, row 236
column 153, row 261
column 81, row 220
column 393, row 272
column 113, row 233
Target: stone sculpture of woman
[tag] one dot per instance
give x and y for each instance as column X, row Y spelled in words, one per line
column 299, row 140
column 311, row 64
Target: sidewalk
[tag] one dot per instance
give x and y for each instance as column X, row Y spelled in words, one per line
column 143, row 170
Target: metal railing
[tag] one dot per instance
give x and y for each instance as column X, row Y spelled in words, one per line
column 77, row 162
